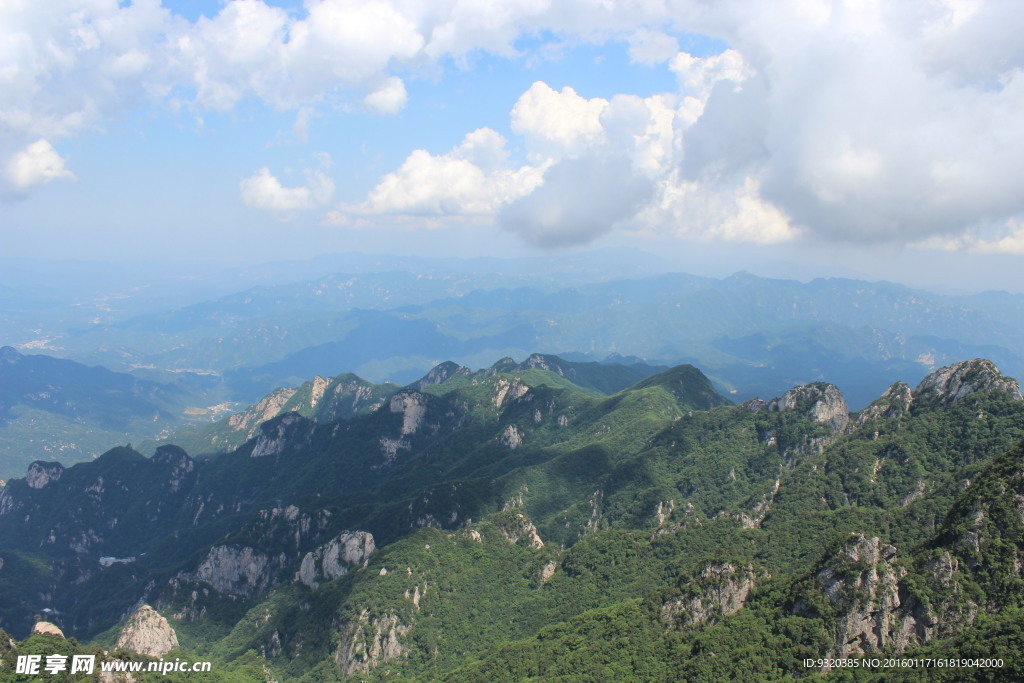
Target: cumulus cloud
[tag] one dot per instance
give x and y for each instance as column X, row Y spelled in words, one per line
column 840, row 121
column 872, row 121
column 471, row 179
column 580, row 199
column 389, row 98
column 37, row 163
column 264, row 191
column 855, row 121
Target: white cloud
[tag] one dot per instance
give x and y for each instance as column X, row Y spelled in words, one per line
column 264, row 191
column 731, row 212
column 556, row 124
column 698, row 75
column 37, row 163
column 471, row 179
column 652, row 47
column 856, row 121
column 389, row 98
column 871, row 122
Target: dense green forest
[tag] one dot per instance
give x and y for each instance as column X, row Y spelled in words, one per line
column 512, row 525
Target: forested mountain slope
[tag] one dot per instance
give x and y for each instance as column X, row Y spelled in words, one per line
column 507, row 524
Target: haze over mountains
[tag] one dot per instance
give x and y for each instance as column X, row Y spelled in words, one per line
column 753, row 336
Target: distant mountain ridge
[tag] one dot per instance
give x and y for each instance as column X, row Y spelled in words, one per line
column 52, row 408
column 753, row 335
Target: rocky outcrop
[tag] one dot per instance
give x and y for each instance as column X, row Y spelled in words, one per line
column 147, row 633
column 719, row 590
column 290, row 431
column 549, row 363
column 348, row 550
column 505, row 390
column 440, row 374
column 979, row 550
column 518, row 529
column 862, row 583
column 511, row 437
column 819, row 401
column 412, row 406
column 288, row 526
column 266, row 409
column 238, row 570
column 952, row 383
column 48, row 629
column 316, row 390
column 757, row 515
column 369, row 642
column 892, row 405
column 42, row 473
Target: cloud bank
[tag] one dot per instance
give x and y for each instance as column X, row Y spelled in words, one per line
column 838, row 121
column 858, row 122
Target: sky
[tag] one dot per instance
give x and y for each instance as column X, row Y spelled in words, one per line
column 872, row 139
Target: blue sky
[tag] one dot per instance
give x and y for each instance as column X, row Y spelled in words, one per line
column 871, row 139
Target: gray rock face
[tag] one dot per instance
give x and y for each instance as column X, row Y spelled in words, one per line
column 42, row 473
column 413, row 407
column 512, row 391
column 819, row 401
column 441, row 373
column 369, row 642
column 891, row 405
column 348, row 550
column 268, row 408
column 147, row 633
column 537, row 360
column 273, row 439
column 952, row 383
column 238, row 570
column 721, row 590
column 863, row 582
column 511, row 437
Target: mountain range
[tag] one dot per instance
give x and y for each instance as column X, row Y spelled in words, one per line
column 548, row 519
column 206, row 358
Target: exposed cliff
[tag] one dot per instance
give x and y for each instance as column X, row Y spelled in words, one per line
column 952, row 383
column 42, row 473
column 863, row 597
column 288, row 432
column 518, row 529
column 348, row 550
column 147, row 633
column 238, row 570
column 369, row 641
column 821, row 402
column 717, row 592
